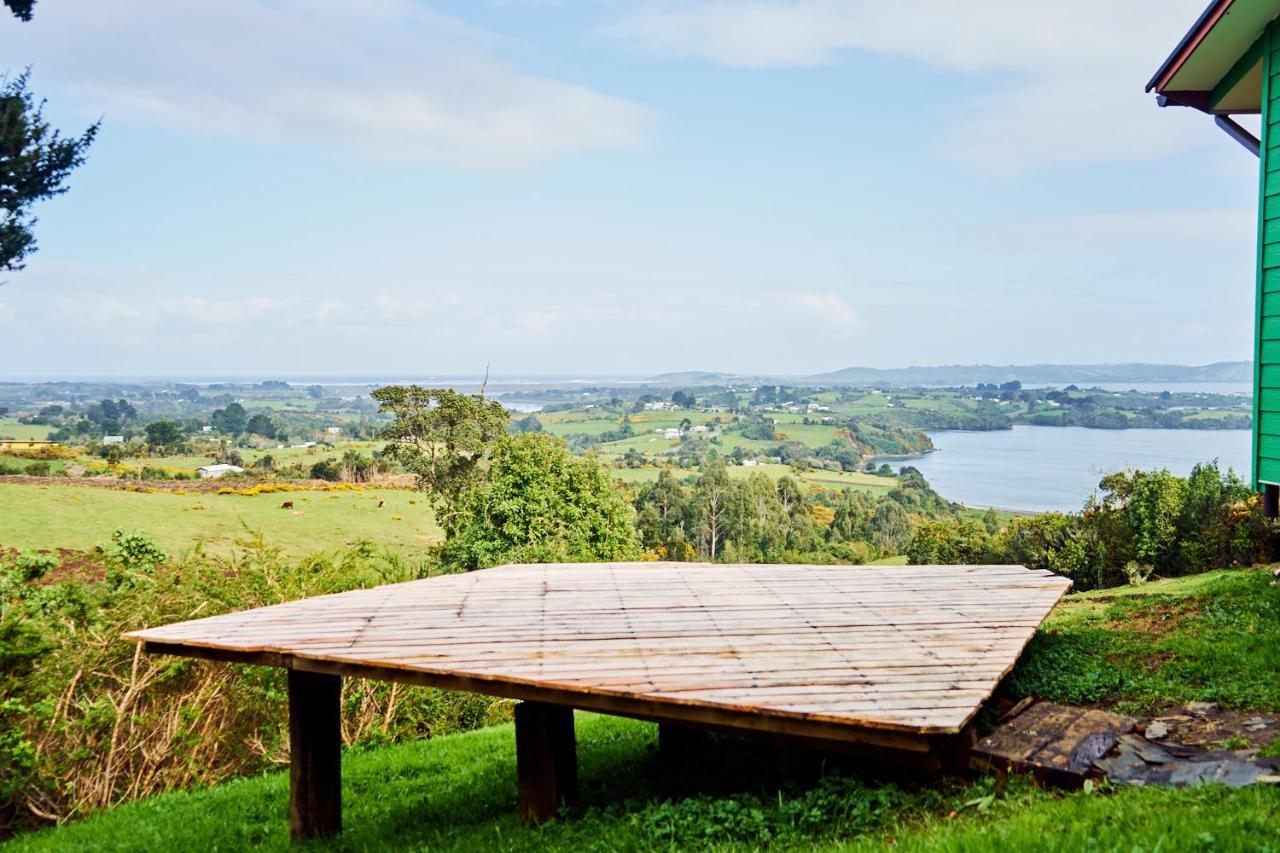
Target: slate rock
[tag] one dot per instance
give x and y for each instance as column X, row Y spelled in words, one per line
column 1138, row 761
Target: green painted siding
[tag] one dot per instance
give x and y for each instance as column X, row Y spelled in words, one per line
column 1266, row 377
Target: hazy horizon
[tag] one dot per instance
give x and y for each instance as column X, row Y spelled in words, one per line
column 517, row 378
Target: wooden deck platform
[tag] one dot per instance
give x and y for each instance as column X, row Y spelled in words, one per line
column 883, row 657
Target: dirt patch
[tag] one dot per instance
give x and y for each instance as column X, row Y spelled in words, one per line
column 75, row 567
column 1156, row 618
column 1204, row 724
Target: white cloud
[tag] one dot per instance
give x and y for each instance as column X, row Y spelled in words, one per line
column 387, row 79
column 829, row 310
column 1065, row 78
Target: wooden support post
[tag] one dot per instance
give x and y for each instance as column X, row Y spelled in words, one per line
column 677, row 742
column 956, row 751
column 546, row 759
column 315, row 754
column 1270, row 501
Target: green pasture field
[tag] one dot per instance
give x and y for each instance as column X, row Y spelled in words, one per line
column 9, row 460
column 10, row 428
column 1210, row 415
column 81, row 517
column 811, row 435
column 188, row 463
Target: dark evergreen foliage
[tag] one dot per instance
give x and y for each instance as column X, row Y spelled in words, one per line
column 35, row 161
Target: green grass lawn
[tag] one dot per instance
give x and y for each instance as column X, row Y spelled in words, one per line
column 459, row 793
column 1214, row 637
column 10, row 428
column 9, row 460
column 81, row 517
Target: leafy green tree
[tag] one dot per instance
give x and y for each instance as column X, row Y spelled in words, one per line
column 35, row 161
column 1153, row 510
column 948, row 542
column 991, row 521
column 1064, row 544
column 260, row 424
column 1212, row 513
column 663, row 515
column 231, row 420
column 162, row 434
column 757, row 524
column 356, row 467
column 540, row 503
column 326, row 469
column 890, row 527
column 529, row 423
column 444, row 438
column 711, row 494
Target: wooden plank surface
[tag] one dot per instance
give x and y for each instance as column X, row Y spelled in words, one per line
column 911, row 648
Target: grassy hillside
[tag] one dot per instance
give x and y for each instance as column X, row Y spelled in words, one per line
column 459, row 793
column 81, row 517
column 1213, row 637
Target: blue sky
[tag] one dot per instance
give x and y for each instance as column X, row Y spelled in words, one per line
column 398, row 187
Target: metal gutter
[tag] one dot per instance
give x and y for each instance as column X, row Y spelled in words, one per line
column 1239, row 134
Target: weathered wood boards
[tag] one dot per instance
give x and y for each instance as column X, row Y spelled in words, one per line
column 892, row 660
column 910, row 649
column 1057, row 743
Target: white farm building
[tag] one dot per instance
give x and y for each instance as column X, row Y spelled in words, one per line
column 212, row 472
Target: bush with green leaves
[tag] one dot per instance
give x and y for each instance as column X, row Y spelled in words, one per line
column 540, row 503
column 1145, row 523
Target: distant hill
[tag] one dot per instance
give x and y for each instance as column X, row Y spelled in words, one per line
column 971, row 374
column 1040, row 374
column 694, row 377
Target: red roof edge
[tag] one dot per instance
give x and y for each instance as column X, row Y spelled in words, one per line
column 1192, row 40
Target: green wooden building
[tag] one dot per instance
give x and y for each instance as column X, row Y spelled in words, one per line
column 1229, row 64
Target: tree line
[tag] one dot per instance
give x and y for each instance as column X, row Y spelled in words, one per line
column 512, row 495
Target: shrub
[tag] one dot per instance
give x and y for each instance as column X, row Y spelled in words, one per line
column 1145, row 523
column 540, row 503
column 97, row 722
